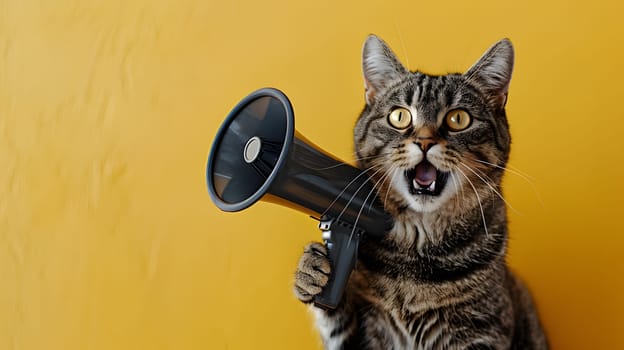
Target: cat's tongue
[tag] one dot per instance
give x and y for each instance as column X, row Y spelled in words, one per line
column 425, row 174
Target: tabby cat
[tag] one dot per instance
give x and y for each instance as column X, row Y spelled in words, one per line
column 436, row 147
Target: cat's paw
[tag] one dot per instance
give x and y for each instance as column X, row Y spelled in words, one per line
column 312, row 273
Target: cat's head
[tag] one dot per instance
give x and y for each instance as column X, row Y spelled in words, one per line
column 431, row 141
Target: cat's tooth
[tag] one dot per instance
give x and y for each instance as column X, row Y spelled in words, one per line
column 415, row 184
column 431, row 187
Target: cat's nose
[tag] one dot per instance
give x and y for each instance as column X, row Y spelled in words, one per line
column 425, row 139
column 425, row 143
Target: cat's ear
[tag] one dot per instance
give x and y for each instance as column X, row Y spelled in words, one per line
column 380, row 67
column 492, row 72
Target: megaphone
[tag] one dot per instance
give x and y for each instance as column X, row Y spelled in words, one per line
column 258, row 154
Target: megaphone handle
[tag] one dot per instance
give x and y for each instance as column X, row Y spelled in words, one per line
column 342, row 244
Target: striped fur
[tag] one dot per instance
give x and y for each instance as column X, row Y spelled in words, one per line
column 439, row 279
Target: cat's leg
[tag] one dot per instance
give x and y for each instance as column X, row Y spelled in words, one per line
column 337, row 327
column 312, row 273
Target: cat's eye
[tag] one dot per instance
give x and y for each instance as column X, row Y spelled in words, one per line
column 400, row 118
column 458, row 120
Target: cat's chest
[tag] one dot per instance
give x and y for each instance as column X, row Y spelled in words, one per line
column 391, row 281
column 426, row 330
column 410, row 313
column 403, row 297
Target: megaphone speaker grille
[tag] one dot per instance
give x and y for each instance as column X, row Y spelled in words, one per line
column 249, row 150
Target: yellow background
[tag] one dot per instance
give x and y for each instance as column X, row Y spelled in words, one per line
column 108, row 239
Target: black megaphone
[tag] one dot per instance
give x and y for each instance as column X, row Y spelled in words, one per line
column 258, row 154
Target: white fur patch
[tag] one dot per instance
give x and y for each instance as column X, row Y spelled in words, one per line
column 420, row 203
column 325, row 326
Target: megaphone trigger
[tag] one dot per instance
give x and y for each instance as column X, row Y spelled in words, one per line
column 342, row 243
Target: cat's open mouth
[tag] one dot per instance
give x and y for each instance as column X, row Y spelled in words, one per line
column 425, row 179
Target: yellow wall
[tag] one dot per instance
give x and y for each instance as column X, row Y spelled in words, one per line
column 108, row 239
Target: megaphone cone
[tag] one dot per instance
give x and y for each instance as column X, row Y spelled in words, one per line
column 258, row 155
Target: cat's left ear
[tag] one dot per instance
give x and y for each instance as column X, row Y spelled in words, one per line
column 492, row 72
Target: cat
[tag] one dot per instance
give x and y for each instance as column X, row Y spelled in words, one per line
column 437, row 147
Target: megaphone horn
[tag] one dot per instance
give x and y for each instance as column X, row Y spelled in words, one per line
column 258, row 154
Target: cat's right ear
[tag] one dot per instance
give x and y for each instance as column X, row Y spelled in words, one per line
column 492, row 72
column 380, row 67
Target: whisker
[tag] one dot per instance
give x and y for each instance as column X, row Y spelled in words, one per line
column 455, row 181
column 362, row 207
column 492, row 188
column 349, row 185
column 402, row 44
column 356, row 192
column 463, row 192
column 389, row 187
column 385, row 177
column 526, row 177
column 478, row 200
column 508, row 168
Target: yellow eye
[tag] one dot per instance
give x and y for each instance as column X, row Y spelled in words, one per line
column 400, row 118
column 458, row 120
